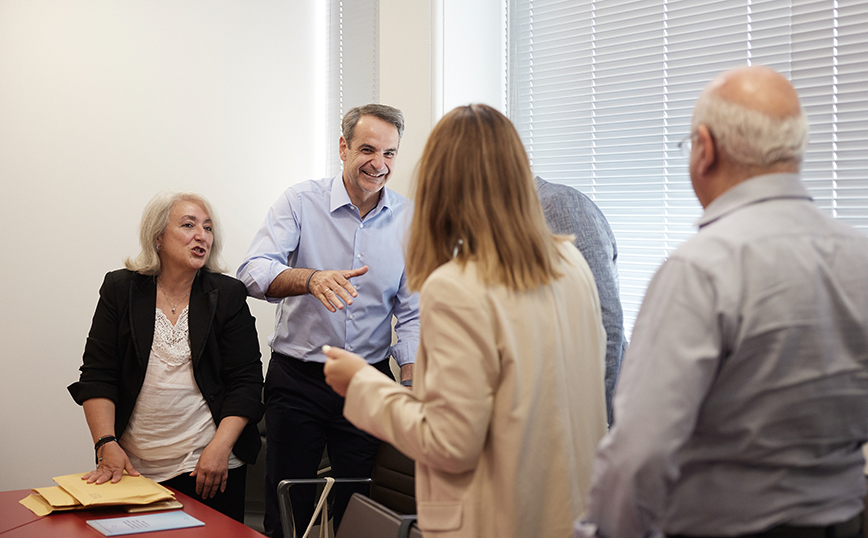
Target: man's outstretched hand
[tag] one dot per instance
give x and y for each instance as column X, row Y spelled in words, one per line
column 333, row 288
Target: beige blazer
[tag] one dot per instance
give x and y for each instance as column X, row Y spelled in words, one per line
column 507, row 407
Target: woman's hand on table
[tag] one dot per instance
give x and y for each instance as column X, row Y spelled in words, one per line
column 112, row 464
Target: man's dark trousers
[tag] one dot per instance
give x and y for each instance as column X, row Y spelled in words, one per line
column 301, row 413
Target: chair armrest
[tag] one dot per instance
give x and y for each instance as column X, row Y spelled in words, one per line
column 286, row 519
column 406, row 524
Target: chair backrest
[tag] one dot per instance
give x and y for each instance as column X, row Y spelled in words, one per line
column 366, row 518
column 393, row 481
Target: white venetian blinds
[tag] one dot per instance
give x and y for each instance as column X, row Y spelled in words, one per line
column 602, row 92
column 829, row 67
column 354, row 59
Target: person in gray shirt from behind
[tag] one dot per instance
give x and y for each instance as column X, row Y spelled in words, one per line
column 569, row 212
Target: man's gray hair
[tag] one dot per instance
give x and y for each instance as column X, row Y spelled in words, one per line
column 155, row 219
column 749, row 137
column 387, row 113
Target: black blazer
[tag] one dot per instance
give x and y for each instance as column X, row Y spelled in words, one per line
column 223, row 343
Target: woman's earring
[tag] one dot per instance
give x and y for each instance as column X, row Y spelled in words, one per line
column 457, row 247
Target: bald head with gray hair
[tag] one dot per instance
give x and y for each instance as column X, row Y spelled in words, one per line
column 755, row 117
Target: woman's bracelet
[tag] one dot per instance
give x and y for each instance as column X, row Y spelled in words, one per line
column 99, row 444
column 315, row 271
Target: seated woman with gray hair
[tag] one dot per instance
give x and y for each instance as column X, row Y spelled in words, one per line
column 172, row 378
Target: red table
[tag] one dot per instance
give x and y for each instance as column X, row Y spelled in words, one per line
column 16, row 521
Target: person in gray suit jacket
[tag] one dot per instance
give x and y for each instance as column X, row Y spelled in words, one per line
column 569, row 212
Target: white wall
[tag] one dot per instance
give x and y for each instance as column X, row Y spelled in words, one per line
column 406, row 78
column 473, row 53
column 103, row 103
column 436, row 55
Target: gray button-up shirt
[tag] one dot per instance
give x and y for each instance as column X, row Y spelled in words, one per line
column 743, row 401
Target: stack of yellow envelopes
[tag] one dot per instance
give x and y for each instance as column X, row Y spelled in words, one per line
column 73, row 493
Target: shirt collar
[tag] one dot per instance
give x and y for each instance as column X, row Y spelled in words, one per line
column 754, row 190
column 340, row 197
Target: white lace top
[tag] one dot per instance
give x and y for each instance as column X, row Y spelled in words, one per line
column 171, row 423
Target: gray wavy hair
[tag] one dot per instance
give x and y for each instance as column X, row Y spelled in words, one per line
column 155, row 219
column 750, row 137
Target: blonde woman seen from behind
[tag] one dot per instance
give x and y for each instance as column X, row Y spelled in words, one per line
column 507, row 405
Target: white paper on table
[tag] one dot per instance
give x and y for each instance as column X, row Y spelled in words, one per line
column 118, row 526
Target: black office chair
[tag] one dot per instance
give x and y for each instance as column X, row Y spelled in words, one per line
column 393, row 481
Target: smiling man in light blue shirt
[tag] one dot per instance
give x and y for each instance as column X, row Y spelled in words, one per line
column 330, row 253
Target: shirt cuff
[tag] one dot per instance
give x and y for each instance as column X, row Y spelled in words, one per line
column 404, row 352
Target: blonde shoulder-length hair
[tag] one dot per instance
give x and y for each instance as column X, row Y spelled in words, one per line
column 155, row 219
column 476, row 200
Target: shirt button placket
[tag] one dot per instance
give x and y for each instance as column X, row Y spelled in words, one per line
column 350, row 323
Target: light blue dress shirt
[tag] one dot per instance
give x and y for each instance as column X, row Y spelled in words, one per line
column 315, row 225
